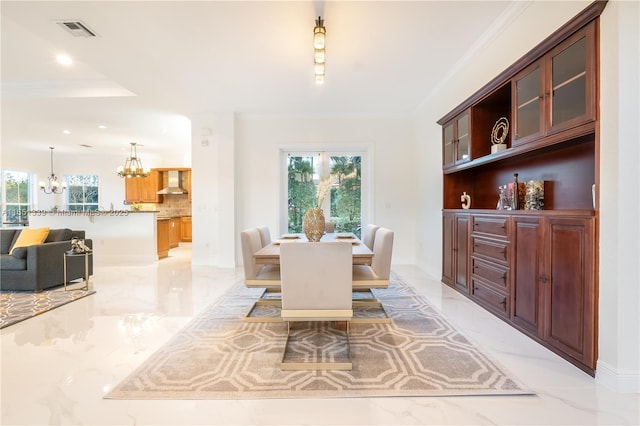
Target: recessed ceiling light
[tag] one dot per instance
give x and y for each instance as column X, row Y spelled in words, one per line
column 64, row 59
column 66, row 132
column 102, row 126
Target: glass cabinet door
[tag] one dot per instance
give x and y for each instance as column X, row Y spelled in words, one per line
column 528, row 104
column 448, row 144
column 463, row 138
column 569, row 75
column 571, row 95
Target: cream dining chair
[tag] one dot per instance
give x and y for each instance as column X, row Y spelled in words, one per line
column 369, row 234
column 376, row 275
column 316, row 286
column 265, row 235
column 258, row 276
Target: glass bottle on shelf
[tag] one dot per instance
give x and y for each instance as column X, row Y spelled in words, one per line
column 515, row 203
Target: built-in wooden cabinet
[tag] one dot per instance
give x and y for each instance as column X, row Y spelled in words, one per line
column 569, row 287
column 185, row 229
column 455, row 249
column 535, row 269
column 144, row 190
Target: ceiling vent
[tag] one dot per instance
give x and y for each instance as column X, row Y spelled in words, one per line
column 76, row 28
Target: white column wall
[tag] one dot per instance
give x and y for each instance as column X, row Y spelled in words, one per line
column 619, row 321
column 213, row 190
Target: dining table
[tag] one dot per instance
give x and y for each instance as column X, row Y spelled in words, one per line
column 270, row 254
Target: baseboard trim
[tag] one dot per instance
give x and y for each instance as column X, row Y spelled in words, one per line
column 621, row 381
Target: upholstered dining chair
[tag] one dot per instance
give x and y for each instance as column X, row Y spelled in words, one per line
column 377, row 274
column 265, row 235
column 369, row 235
column 316, row 286
column 258, row 276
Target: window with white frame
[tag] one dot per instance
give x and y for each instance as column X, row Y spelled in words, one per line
column 344, row 206
column 82, row 192
column 16, row 197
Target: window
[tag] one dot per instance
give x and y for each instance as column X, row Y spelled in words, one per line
column 82, row 192
column 16, row 199
column 344, row 205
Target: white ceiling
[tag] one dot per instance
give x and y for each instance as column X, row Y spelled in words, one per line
column 153, row 64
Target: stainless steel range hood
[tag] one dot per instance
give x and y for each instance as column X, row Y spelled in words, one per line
column 174, row 184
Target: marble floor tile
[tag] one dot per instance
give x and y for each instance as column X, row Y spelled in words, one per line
column 56, row 368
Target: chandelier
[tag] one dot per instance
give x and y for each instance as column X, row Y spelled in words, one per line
column 319, row 33
column 52, row 186
column 132, row 165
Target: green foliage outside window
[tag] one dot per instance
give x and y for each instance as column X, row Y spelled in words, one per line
column 345, row 195
column 83, row 192
column 16, row 196
column 301, row 190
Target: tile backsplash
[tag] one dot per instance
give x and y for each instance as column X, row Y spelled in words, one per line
column 173, row 205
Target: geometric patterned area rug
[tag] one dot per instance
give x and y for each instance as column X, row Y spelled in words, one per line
column 21, row 305
column 220, row 356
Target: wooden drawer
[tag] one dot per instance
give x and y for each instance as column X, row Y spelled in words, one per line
column 497, row 226
column 492, row 273
column 495, row 250
column 493, row 300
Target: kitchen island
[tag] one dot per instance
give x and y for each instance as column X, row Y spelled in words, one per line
column 120, row 237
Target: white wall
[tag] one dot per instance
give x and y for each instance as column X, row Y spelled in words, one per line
column 390, row 140
column 619, row 335
column 619, row 339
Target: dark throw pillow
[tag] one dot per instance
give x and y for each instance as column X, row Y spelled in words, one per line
column 56, row 235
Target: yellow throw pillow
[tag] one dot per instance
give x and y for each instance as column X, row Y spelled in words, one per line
column 30, row 236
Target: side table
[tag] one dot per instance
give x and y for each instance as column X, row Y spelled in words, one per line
column 86, row 255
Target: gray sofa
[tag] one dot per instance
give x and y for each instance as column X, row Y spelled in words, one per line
column 41, row 266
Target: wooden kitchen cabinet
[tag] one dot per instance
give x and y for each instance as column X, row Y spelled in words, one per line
column 174, row 232
column 186, row 182
column 144, row 190
column 163, row 235
column 185, row 229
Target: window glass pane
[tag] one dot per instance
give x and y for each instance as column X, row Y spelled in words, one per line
column 302, row 178
column 346, row 195
column 83, row 192
column 16, row 187
column 343, row 205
